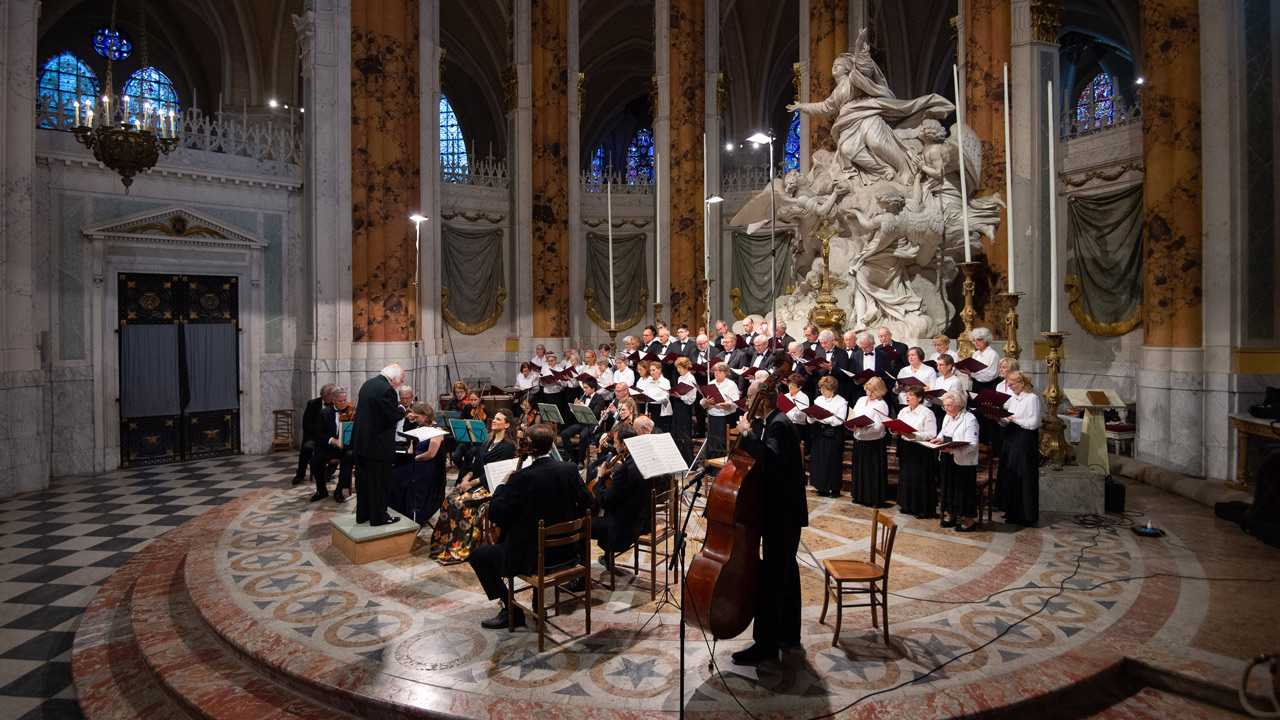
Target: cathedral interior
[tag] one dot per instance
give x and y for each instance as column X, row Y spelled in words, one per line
column 448, row 185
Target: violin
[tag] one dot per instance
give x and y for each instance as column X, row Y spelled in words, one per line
column 477, row 412
column 348, row 414
column 720, row 587
column 609, row 466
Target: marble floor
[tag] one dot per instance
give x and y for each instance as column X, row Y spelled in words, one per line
column 244, row 609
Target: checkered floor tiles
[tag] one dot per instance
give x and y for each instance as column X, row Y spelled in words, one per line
column 57, row 546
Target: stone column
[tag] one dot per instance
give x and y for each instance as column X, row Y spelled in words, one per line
column 688, row 86
column 987, row 40
column 828, row 37
column 519, row 106
column 660, row 104
column 712, row 172
column 385, row 156
column 578, row 326
column 1171, row 378
column 549, row 67
column 428, row 378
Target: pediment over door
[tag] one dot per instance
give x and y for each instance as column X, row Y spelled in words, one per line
column 174, row 225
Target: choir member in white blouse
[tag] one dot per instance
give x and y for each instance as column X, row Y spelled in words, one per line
column 870, row 452
column 720, row 415
column 622, row 373
column 658, row 388
column 1018, row 484
column 682, row 408
column 1007, row 365
column 826, row 460
column 795, row 393
column 527, row 379
column 917, row 474
column 915, row 368
column 942, row 346
column 958, row 469
column 984, row 379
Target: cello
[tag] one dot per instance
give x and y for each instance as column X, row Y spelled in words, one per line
column 720, row 585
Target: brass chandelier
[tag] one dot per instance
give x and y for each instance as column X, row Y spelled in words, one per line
column 121, row 145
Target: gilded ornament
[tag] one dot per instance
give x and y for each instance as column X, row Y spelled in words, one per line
column 476, row 328
column 1115, row 329
column 1046, row 20
column 590, row 296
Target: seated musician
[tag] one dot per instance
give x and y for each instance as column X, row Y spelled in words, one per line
column 593, row 400
column 461, row 522
column 462, row 405
column 313, row 434
column 622, row 494
column 331, row 419
column 620, row 412
column 417, row 486
column 545, row 490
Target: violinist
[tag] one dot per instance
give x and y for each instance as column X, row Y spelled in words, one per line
column 784, row 511
column 594, row 401
column 333, row 448
column 622, row 494
column 455, row 450
column 461, row 517
column 544, row 490
column 621, row 412
column 464, row 455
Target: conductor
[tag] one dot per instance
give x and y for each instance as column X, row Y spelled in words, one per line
column 373, row 439
column 785, row 512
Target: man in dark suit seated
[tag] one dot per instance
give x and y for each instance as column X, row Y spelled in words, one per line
column 586, row 433
column 331, row 448
column 625, row 501
column 373, row 439
column 546, row 490
column 784, row 512
column 313, row 435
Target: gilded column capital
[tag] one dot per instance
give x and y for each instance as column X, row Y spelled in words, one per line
column 1046, row 20
column 510, row 88
column 582, row 92
column 722, row 93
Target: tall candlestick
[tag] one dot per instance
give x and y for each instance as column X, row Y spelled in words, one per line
column 964, row 186
column 76, row 105
column 1008, row 177
column 106, row 110
column 657, row 227
column 1051, row 127
column 609, row 222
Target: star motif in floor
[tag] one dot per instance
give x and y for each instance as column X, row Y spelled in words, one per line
column 841, row 663
column 270, row 519
column 1060, row 607
column 938, row 647
column 528, row 661
column 317, row 607
column 264, row 539
column 371, row 626
column 999, row 625
column 264, row 560
column 636, row 672
column 283, row 583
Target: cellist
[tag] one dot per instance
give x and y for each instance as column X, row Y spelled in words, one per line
column 776, row 450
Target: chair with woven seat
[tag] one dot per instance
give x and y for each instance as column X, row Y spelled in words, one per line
column 730, row 438
column 283, row 439
column 555, row 577
column 663, row 508
column 870, row 578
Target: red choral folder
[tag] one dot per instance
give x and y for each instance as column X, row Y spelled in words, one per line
column 816, row 412
column 858, row 422
column 785, row 403
column 899, row 427
column 931, row 363
column 970, row 365
column 909, row 381
column 889, row 351
column 992, row 398
column 682, row 389
column 712, row 393
column 864, row 376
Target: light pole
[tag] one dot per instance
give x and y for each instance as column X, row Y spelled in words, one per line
column 417, row 292
column 706, row 249
column 773, row 227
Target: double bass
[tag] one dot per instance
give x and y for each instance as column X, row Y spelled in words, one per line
column 720, row 586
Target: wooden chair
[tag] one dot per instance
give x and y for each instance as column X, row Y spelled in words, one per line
column 871, row 577
column 730, row 437
column 663, row 509
column 560, row 535
column 284, row 430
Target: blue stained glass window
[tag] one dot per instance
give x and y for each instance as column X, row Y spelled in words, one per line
column 640, row 158
column 149, row 86
column 792, row 161
column 111, row 44
column 595, row 174
column 453, row 148
column 65, row 79
column 1096, row 106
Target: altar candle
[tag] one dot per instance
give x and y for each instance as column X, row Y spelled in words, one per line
column 89, row 117
column 76, row 105
column 657, row 227
column 1008, row 177
column 706, row 240
column 964, row 187
column 1051, row 128
column 172, row 131
column 106, row 109
column 609, row 195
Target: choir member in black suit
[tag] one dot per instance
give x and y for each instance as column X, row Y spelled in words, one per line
column 330, row 448
column 313, row 435
column 682, row 409
column 894, row 350
column 703, row 355
column 735, row 358
column 373, row 440
column 781, row 340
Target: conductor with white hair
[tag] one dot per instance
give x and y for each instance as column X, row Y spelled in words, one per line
column 373, row 441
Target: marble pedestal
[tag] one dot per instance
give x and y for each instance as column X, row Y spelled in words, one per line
column 1073, row 489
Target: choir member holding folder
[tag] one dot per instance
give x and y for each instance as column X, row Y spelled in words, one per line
column 915, row 371
column 917, row 474
column 1018, row 484
column 793, row 402
column 958, row 470
column 828, row 413
column 718, row 398
column 870, row 456
column 658, row 390
column 684, row 396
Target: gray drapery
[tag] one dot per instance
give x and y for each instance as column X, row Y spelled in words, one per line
column 471, row 267
column 149, row 371
column 1104, row 261
column 750, row 274
column 212, row 367
column 630, row 276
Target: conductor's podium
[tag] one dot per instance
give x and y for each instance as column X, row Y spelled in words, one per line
column 365, row 543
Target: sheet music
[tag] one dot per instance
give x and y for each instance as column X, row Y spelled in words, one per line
column 496, row 472
column 656, row 454
column 424, row 433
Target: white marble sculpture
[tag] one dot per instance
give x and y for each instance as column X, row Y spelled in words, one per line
column 892, row 191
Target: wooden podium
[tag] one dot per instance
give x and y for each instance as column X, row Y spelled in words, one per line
column 1092, row 451
column 363, row 543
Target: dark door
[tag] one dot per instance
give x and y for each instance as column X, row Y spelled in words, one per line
column 179, row 368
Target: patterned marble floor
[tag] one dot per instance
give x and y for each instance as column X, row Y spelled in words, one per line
column 980, row 621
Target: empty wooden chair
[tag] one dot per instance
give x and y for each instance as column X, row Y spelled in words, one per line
column 869, row 578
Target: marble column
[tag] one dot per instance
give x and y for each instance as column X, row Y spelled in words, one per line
column 988, row 46
column 580, row 325
column 711, row 173
column 385, row 166
column 688, row 90
column 428, row 376
column 1171, row 374
column 828, row 37
column 549, row 84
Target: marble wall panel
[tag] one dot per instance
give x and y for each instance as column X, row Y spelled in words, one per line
column 72, row 250
column 25, row 442
column 686, row 234
column 550, row 167
column 385, row 173
column 273, row 291
column 1172, row 243
column 828, row 37
column 72, row 417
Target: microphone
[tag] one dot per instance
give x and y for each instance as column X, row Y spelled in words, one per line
column 696, row 478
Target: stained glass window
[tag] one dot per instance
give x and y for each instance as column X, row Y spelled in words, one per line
column 640, row 158
column 64, row 80
column 792, row 161
column 595, row 174
column 111, row 44
column 1096, row 106
column 149, row 86
column 453, row 148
